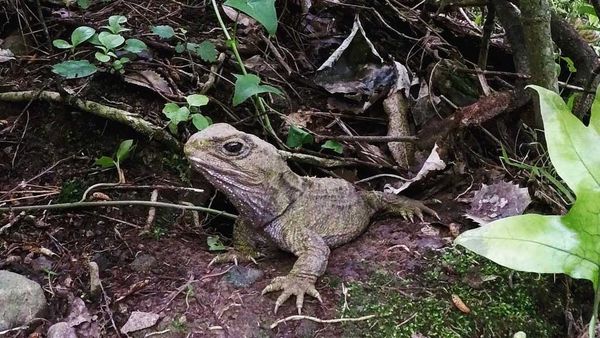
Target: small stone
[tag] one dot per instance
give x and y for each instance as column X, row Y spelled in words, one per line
column 143, row 263
column 242, row 277
column 95, row 283
column 41, row 264
column 139, row 320
column 22, row 300
column 61, row 330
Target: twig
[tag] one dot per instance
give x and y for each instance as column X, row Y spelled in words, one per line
column 152, row 211
column 324, row 321
column 23, row 184
column 372, row 139
column 276, row 53
column 488, row 28
column 12, row 222
column 77, row 205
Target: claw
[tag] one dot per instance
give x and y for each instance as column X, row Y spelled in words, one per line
column 299, row 302
column 292, row 285
column 231, row 257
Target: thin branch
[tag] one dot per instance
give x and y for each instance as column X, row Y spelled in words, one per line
column 78, row 205
column 324, row 321
column 372, row 139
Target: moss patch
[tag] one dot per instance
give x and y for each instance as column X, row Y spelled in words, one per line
column 502, row 302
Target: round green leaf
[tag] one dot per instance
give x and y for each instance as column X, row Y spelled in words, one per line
column 110, row 41
column 170, row 108
column 102, row 57
column 197, row 100
column 74, row 69
column 124, row 150
column 163, row 31
column 248, row 85
column 135, row 46
column 115, row 20
column 83, row 4
column 333, row 145
column 298, row 137
column 182, row 114
column 105, row 162
column 200, row 121
column 81, row 34
column 62, row 44
column 205, row 50
column 262, row 11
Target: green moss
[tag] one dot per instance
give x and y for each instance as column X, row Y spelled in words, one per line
column 71, row 191
column 502, row 302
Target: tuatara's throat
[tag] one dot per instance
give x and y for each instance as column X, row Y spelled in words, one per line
column 261, row 199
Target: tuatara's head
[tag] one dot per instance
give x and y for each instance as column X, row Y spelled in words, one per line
column 241, row 165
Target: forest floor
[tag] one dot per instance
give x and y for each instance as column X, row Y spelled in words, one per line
column 399, row 279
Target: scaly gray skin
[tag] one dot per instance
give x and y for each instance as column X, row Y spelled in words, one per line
column 280, row 209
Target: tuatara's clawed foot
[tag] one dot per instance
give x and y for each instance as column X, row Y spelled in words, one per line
column 232, row 256
column 293, row 285
column 416, row 208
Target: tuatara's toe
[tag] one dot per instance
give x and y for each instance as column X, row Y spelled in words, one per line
column 232, row 256
column 292, row 285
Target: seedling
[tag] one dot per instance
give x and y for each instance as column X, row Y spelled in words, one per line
column 555, row 244
column 214, row 243
column 120, row 155
column 114, row 24
column 177, row 114
column 78, row 36
column 110, row 44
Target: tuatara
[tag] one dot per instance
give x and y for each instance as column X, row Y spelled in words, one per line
column 281, row 209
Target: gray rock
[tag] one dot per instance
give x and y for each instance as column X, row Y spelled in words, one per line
column 242, row 277
column 139, row 320
column 22, row 300
column 143, row 263
column 61, row 330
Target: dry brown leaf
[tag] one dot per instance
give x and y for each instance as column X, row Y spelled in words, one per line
column 460, row 304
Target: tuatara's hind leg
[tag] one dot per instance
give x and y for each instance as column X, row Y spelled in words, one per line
column 399, row 205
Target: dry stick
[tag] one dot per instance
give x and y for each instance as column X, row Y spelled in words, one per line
column 372, row 139
column 23, row 184
column 276, row 53
column 324, row 321
column 77, row 205
column 134, row 121
column 488, row 28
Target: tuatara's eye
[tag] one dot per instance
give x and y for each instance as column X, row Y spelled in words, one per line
column 233, row 147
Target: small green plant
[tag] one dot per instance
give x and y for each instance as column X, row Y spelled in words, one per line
column 78, row 36
column 334, row 146
column 179, row 324
column 177, row 114
column 120, row 155
column 158, row 232
column 214, row 243
column 206, row 50
column 555, row 244
column 110, row 43
column 114, row 24
column 298, row 137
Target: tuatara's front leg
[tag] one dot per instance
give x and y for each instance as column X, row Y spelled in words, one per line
column 244, row 246
column 312, row 252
